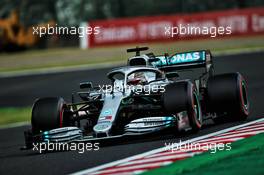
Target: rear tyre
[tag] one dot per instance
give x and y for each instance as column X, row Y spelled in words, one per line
column 47, row 114
column 227, row 93
column 182, row 96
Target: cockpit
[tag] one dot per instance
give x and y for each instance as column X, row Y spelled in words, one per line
column 135, row 75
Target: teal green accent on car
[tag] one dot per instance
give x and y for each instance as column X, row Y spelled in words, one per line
column 180, row 58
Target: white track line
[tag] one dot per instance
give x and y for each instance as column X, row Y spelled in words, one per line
column 14, row 125
column 250, row 127
column 134, row 167
column 215, row 141
column 59, row 69
column 174, row 152
column 230, row 136
column 90, row 170
column 168, row 157
column 248, row 131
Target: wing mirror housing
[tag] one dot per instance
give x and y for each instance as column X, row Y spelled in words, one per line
column 86, row 85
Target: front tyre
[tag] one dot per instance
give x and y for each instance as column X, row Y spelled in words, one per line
column 47, row 114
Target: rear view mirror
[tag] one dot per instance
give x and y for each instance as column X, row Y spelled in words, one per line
column 85, row 85
column 171, row 75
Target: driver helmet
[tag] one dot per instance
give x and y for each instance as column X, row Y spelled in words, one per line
column 137, row 78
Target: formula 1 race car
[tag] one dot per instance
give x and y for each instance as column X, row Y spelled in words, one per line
column 149, row 95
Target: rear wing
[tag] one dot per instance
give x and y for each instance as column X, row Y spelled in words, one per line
column 184, row 60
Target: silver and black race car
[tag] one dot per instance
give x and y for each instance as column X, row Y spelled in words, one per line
column 149, row 95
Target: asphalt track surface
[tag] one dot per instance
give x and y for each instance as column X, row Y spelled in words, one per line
column 21, row 91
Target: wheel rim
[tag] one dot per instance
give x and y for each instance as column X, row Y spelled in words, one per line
column 244, row 96
column 197, row 108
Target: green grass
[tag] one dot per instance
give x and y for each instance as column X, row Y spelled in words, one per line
column 65, row 57
column 245, row 157
column 13, row 115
